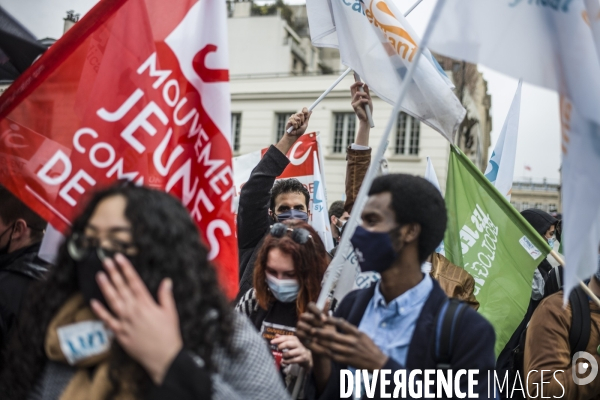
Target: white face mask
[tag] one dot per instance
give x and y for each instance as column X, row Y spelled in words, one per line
column 284, row 290
column 340, row 227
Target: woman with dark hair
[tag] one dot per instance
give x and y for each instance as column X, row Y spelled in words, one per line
column 287, row 276
column 188, row 345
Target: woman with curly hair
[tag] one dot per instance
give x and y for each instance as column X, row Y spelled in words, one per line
column 287, row 276
column 186, row 345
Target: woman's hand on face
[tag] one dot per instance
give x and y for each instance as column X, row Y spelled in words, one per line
column 293, row 351
column 147, row 331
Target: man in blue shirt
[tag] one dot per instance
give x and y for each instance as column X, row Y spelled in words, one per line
column 393, row 324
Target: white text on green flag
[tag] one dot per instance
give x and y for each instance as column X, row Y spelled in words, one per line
column 492, row 242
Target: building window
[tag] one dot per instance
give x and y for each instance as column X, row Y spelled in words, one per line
column 525, row 206
column 552, row 207
column 408, row 130
column 280, row 126
column 539, row 206
column 344, row 131
column 236, row 122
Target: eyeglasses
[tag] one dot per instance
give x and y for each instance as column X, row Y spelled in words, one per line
column 299, row 235
column 80, row 246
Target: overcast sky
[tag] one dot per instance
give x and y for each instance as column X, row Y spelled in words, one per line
column 539, row 130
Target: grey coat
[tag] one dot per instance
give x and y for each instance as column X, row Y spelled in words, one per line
column 246, row 375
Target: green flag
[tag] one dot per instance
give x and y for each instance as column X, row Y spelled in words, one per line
column 488, row 237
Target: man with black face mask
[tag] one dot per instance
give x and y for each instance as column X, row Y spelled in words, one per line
column 392, row 325
column 21, row 231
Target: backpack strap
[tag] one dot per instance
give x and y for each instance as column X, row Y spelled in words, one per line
column 579, row 334
column 447, row 319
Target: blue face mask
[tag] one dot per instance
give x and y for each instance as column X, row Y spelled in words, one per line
column 551, row 242
column 284, row 290
column 374, row 250
column 292, row 214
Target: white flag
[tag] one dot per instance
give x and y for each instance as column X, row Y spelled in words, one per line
column 431, row 176
column 501, row 168
column 581, row 194
column 593, row 19
column 320, row 216
column 548, row 44
column 377, row 42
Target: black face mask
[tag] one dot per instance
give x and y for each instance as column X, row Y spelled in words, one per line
column 374, row 250
column 86, row 271
column 87, row 267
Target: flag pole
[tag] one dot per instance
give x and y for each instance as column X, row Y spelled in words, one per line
column 585, row 287
column 367, row 108
column 336, row 266
column 325, row 93
column 412, row 8
column 346, row 72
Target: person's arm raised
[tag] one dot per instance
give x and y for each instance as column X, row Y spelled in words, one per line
column 299, row 122
column 360, row 99
column 252, row 220
column 359, row 153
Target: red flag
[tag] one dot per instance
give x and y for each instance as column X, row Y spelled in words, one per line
column 138, row 89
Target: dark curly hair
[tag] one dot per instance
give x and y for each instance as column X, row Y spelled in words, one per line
column 291, row 185
column 416, row 200
column 168, row 245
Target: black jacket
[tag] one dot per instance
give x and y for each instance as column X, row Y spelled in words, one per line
column 185, row 380
column 17, row 271
column 473, row 347
column 253, row 218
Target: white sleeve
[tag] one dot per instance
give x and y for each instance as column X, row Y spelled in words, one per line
column 355, row 146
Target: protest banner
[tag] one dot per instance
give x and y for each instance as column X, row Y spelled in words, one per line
column 553, row 45
column 501, row 167
column 488, row 237
column 319, row 214
column 377, row 42
column 301, row 163
column 137, row 90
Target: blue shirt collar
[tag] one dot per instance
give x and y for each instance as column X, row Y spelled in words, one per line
column 415, row 296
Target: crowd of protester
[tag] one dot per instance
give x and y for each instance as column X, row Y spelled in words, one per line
column 133, row 279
